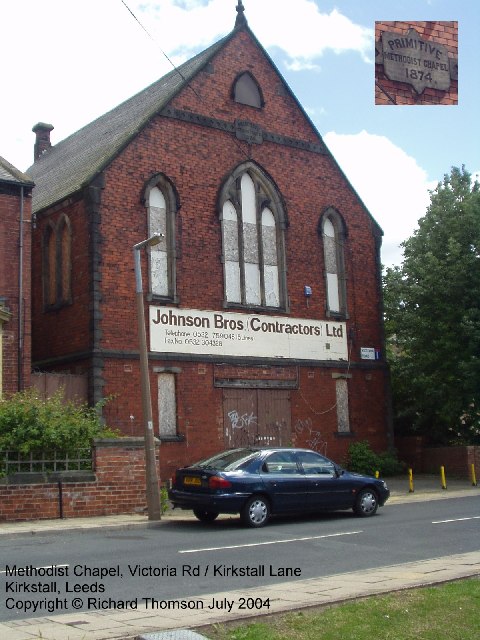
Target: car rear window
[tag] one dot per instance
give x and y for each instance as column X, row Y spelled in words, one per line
column 228, row 460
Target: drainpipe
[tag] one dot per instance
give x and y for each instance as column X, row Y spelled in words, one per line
column 21, row 325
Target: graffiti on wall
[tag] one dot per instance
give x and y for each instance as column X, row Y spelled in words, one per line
column 247, row 430
column 243, row 421
column 312, row 436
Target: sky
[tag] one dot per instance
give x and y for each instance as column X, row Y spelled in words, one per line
column 66, row 63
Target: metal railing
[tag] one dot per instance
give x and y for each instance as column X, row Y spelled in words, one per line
column 45, row 461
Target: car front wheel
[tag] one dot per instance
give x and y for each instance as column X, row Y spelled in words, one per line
column 256, row 512
column 366, row 503
column 205, row 516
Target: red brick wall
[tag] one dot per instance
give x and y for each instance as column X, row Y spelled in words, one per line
column 444, row 33
column 119, row 488
column 410, row 450
column 456, row 460
column 423, row 459
column 9, row 288
column 65, row 330
column 197, row 159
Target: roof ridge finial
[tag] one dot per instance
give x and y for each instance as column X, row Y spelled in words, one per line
column 240, row 20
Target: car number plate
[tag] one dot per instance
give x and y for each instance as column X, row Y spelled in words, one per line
column 196, row 482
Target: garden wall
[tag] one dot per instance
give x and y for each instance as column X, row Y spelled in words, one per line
column 116, row 486
column 457, row 460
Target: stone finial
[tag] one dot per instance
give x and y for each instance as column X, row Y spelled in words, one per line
column 240, row 20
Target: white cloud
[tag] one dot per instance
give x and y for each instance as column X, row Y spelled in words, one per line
column 304, row 33
column 74, row 62
column 392, row 185
column 302, row 65
column 300, row 29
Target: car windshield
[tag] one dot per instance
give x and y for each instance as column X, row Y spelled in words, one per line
column 227, row 460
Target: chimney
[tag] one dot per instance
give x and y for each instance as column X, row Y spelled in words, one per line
column 42, row 141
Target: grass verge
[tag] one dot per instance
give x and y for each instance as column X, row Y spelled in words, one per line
column 447, row 611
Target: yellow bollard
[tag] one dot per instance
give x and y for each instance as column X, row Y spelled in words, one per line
column 474, row 478
column 442, row 477
column 377, row 474
column 410, row 481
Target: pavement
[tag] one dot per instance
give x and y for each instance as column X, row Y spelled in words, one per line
column 172, row 622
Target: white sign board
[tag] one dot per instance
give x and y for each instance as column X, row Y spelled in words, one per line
column 220, row 333
column 369, row 353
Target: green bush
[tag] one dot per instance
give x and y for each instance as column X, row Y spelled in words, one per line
column 362, row 459
column 31, row 424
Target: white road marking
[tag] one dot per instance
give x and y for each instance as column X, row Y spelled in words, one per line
column 456, row 520
column 259, row 544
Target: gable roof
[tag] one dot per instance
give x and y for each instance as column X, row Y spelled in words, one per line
column 70, row 165
column 10, row 174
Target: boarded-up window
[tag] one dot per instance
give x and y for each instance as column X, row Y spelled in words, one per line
column 331, row 229
column 270, row 259
column 167, row 405
column 57, row 263
column 343, row 417
column 51, row 270
column 159, row 252
column 161, row 210
column 65, row 263
column 246, row 91
column 231, row 253
column 250, row 242
column 253, row 241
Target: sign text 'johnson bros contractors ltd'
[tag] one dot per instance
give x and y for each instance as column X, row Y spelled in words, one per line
column 192, row 331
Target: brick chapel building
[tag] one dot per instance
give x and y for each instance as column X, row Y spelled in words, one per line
column 15, row 295
column 263, row 297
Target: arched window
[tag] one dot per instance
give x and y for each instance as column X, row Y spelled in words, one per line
column 161, row 203
column 57, row 263
column 333, row 236
column 253, row 224
column 247, row 91
column 50, row 271
column 64, row 239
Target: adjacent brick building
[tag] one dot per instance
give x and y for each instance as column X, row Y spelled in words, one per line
column 263, row 296
column 15, row 255
column 416, row 63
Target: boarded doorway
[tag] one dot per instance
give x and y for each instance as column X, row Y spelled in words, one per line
column 256, row 417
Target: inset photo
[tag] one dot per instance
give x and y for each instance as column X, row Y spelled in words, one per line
column 416, row 63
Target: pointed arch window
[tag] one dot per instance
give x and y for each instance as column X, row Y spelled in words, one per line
column 57, row 263
column 332, row 231
column 253, row 221
column 50, row 266
column 64, row 240
column 246, row 90
column 162, row 203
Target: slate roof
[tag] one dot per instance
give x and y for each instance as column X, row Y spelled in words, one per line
column 70, row 165
column 10, row 174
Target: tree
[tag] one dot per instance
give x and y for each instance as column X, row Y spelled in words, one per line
column 432, row 313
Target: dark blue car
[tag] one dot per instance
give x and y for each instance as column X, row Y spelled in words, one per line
column 258, row 483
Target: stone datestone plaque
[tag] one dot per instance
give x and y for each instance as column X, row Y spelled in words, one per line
column 420, row 63
column 248, row 131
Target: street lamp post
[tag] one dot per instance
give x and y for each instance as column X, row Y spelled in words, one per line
column 151, row 476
